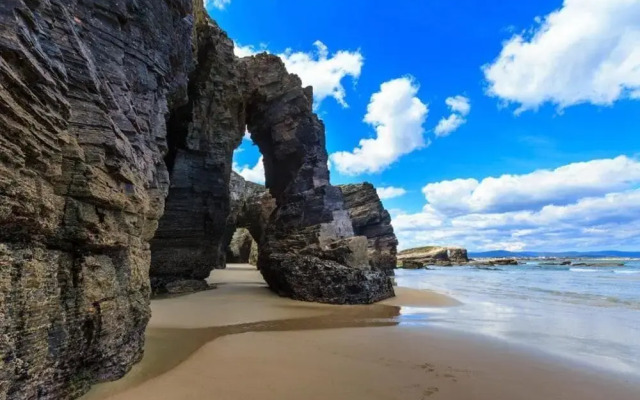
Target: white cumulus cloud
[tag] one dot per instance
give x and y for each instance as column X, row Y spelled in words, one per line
column 459, row 104
column 588, row 51
column 246, row 51
column 511, row 192
column 320, row 69
column 252, row 174
column 219, row 4
column 460, row 107
column 398, row 116
column 390, row 192
column 580, row 206
column 324, row 71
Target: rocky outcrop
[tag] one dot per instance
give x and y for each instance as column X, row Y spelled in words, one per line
column 241, row 246
column 85, row 87
column 369, row 218
column 310, row 223
column 202, row 135
column 106, row 110
column 251, row 208
column 433, row 255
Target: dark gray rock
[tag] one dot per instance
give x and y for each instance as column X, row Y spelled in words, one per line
column 412, row 264
column 310, row 278
column 85, row 89
column 310, row 218
column 369, row 218
column 186, row 286
column 495, row 261
column 192, row 234
column 102, row 105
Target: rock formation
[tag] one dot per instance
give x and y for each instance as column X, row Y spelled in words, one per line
column 85, row 87
column 309, row 251
column 106, row 110
column 241, row 246
column 370, row 219
column 251, row 208
column 433, row 255
column 202, row 135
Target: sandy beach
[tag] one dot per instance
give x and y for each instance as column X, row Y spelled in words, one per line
column 240, row 341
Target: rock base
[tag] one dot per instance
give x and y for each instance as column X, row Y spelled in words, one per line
column 309, row 278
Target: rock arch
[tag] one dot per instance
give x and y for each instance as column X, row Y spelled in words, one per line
column 309, row 250
column 310, row 224
column 118, row 122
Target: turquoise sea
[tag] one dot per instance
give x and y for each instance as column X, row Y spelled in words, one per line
column 588, row 314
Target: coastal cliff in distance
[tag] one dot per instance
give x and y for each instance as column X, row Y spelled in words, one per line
column 432, row 255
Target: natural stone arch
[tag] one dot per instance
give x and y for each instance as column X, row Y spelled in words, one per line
column 87, row 87
column 243, row 248
column 192, row 233
column 308, row 250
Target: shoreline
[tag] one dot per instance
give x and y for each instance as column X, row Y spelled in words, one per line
column 225, row 341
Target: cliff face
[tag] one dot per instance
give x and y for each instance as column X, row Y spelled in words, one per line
column 202, row 135
column 106, row 110
column 370, row 219
column 84, row 90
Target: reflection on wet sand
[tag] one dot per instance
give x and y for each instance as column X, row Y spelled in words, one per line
column 166, row 348
column 241, row 341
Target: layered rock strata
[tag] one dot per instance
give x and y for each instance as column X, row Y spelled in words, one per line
column 85, row 87
column 309, row 250
column 202, row 135
column 370, row 219
column 106, row 110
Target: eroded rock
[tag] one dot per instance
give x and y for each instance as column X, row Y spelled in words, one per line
column 241, row 246
column 101, row 107
column 85, row 88
column 310, row 221
column 369, row 218
column 202, row 135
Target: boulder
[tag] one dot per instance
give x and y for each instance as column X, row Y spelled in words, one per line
column 495, row 261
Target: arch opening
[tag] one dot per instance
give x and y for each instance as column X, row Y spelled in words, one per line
column 307, row 246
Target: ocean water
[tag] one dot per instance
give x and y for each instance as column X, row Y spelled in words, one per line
column 588, row 314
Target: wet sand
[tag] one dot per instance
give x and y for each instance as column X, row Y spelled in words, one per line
column 240, row 341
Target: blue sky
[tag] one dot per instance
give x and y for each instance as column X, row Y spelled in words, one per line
column 541, row 122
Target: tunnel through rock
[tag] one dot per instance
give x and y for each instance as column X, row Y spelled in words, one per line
column 307, row 246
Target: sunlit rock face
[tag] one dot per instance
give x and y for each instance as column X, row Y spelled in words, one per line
column 118, row 122
column 433, row 255
column 309, row 250
column 370, row 219
column 309, row 217
column 85, row 88
column 241, row 247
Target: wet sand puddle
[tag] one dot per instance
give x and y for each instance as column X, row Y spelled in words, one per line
column 166, row 348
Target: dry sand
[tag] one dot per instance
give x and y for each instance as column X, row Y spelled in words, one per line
column 240, row 341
